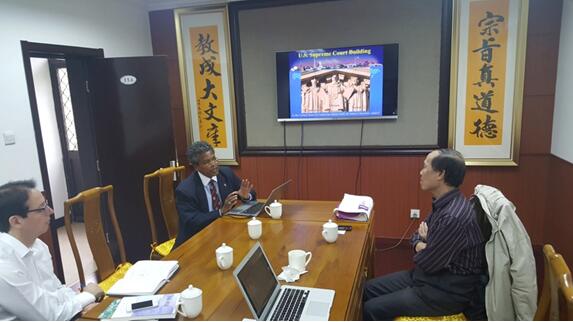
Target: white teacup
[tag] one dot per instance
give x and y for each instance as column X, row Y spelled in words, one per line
column 224, row 256
column 191, row 301
column 255, row 228
column 330, row 231
column 275, row 210
column 298, row 259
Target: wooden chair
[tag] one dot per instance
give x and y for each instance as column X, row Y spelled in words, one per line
column 107, row 271
column 165, row 178
column 565, row 287
column 455, row 317
column 542, row 313
column 556, row 302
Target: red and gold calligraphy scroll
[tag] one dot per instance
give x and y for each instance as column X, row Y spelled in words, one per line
column 208, row 85
column 486, row 76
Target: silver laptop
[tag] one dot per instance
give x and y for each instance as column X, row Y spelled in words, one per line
column 269, row 301
column 254, row 208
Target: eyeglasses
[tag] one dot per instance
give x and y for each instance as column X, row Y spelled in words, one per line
column 45, row 206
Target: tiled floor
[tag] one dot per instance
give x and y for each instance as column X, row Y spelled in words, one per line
column 68, row 263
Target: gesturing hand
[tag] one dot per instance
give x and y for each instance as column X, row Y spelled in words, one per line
column 245, row 189
column 230, row 202
column 423, row 230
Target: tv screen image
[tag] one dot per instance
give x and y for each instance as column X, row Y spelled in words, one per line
column 337, row 83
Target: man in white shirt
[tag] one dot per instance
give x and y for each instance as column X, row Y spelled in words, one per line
column 28, row 286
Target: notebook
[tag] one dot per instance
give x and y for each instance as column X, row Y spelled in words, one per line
column 144, row 278
column 356, row 208
column 270, row 301
column 253, row 208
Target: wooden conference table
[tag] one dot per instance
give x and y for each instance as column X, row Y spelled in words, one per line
column 342, row 266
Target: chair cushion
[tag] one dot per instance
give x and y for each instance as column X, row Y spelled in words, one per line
column 455, row 317
column 164, row 248
column 120, row 271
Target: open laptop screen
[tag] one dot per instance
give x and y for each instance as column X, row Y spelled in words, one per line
column 258, row 281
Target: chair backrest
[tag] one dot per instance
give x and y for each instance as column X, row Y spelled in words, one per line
column 545, row 301
column 165, row 178
column 95, row 233
column 564, row 283
column 556, row 302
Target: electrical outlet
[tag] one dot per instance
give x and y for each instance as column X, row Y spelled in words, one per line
column 9, row 138
column 414, row 213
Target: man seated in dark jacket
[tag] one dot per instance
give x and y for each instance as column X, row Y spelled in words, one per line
column 449, row 260
column 209, row 193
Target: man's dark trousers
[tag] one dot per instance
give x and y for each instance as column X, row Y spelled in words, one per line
column 414, row 293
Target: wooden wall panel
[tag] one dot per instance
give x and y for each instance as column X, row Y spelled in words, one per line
column 559, row 214
column 164, row 42
column 544, row 17
column 393, row 182
column 525, row 186
column 536, row 124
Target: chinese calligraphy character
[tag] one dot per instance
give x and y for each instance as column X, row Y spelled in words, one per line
column 490, row 23
column 210, row 111
column 483, row 102
column 209, row 66
column 486, row 128
column 213, row 134
column 204, row 44
column 209, row 90
column 486, row 49
column 486, row 76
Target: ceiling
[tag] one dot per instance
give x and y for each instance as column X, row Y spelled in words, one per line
column 170, row 4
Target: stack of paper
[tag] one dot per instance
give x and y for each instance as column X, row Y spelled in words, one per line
column 120, row 309
column 144, row 278
column 356, row 208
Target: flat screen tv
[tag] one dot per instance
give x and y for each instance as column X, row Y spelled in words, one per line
column 345, row 83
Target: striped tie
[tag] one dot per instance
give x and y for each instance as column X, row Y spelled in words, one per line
column 214, row 196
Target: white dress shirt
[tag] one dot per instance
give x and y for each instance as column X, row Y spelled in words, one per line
column 29, row 289
column 205, row 181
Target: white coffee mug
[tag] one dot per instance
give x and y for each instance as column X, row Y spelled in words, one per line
column 330, row 231
column 191, row 302
column 275, row 210
column 298, row 259
column 255, row 228
column 224, row 256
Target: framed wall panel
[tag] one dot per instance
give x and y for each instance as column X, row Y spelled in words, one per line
column 207, row 79
column 488, row 59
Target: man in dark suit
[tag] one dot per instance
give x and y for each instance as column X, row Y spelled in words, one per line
column 209, row 193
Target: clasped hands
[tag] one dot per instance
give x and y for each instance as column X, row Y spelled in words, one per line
column 97, row 292
column 233, row 198
column 423, row 233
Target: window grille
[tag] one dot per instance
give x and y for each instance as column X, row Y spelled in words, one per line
column 66, row 99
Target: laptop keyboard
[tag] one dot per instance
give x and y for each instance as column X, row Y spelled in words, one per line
column 254, row 209
column 290, row 305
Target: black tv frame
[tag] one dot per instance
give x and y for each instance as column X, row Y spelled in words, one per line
column 390, row 88
column 443, row 98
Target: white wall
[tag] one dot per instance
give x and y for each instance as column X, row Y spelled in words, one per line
column 121, row 28
column 50, row 134
column 562, row 137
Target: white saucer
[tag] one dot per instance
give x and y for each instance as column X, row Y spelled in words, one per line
column 293, row 269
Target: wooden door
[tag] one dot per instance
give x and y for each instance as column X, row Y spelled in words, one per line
column 128, row 101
